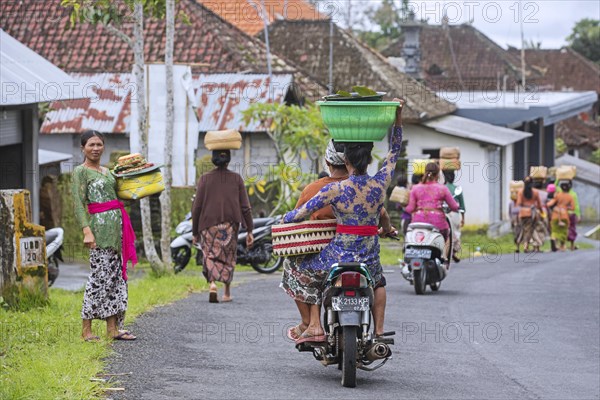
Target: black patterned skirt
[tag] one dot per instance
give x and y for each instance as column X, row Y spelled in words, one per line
column 106, row 290
column 303, row 284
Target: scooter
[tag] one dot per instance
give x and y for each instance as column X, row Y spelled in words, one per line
column 260, row 256
column 424, row 261
column 54, row 245
column 348, row 299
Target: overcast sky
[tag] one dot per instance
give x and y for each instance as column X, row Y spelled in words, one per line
column 545, row 21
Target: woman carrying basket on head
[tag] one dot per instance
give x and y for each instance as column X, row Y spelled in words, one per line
column 357, row 203
column 306, row 285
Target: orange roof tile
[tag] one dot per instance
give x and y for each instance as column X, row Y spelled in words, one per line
column 248, row 15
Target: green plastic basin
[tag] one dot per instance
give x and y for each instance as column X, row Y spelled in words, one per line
column 358, row 121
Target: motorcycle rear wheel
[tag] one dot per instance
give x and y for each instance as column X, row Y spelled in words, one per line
column 53, row 270
column 181, row 257
column 272, row 265
column 420, row 280
column 349, row 356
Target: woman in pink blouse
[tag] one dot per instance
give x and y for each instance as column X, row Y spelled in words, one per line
column 427, row 199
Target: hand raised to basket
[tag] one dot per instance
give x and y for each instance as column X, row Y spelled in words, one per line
column 399, row 111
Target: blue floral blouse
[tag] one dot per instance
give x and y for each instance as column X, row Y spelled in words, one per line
column 356, row 201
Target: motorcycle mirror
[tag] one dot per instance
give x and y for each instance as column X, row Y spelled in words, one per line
column 457, row 191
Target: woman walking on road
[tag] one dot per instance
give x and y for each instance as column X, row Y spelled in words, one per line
column 530, row 208
column 220, row 205
column 562, row 205
column 109, row 237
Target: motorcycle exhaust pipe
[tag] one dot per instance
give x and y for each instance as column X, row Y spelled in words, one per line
column 378, row 351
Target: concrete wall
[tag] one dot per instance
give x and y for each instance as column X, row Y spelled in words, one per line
column 589, row 201
column 256, row 154
column 71, row 143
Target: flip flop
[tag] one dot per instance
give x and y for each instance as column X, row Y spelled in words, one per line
column 92, row 339
column 212, row 297
column 294, row 333
column 312, row 339
column 121, row 336
column 226, row 299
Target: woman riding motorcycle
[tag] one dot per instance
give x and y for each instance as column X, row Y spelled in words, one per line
column 427, row 199
column 357, row 204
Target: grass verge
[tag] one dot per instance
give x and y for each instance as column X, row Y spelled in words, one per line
column 42, row 355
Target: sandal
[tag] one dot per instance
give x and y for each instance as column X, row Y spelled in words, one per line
column 212, row 296
column 124, row 335
column 226, row 299
column 92, row 339
column 294, row 333
column 311, row 339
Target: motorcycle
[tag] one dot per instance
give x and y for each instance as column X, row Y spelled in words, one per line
column 260, row 256
column 54, row 245
column 347, row 300
column 424, row 254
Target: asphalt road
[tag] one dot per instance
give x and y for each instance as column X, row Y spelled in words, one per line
column 495, row 330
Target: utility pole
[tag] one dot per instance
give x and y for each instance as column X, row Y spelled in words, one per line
column 266, row 23
column 522, row 45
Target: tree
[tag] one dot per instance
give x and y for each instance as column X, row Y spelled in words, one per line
column 297, row 133
column 387, row 17
column 585, row 38
column 165, row 197
column 531, row 44
column 111, row 15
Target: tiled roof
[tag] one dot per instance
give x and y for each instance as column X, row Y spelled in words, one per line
column 222, row 98
column 354, row 64
column 43, row 26
column 482, row 63
column 562, row 69
column 577, row 133
column 248, row 15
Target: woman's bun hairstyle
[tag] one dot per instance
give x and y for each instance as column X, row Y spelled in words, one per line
column 432, row 171
column 358, row 154
column 221, row 158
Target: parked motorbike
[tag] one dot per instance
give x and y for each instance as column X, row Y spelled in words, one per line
column 54, row 245
column 260, row 256
column 348, row 300
column 424, row 261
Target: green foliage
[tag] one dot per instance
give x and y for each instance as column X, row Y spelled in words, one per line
column 107, row 12
column 42, row 355
column 595, row 157
column 560, row 147
column 297, row 133
column 585, row 38
column 387, row 17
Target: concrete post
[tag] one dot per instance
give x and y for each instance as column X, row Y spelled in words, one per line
column 24, row 270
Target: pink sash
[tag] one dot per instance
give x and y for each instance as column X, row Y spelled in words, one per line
column 128, row 239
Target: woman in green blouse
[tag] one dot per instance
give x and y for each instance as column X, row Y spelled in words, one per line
column 106, row 290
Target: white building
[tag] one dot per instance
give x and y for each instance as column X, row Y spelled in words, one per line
column 486, row 157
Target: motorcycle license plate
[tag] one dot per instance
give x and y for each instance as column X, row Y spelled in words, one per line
column 341, row 303
column 417, row 253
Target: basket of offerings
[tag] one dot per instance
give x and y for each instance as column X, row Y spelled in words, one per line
column 137, row 178
column 359, row 116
